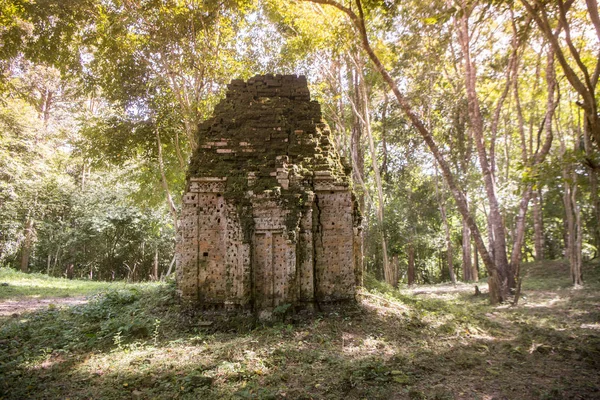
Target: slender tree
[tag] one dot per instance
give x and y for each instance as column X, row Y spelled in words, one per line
column 498, row 290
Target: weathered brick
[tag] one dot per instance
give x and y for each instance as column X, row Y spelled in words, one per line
column 268, row 217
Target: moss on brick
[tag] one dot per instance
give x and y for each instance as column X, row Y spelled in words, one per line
column 259, row 121
column 266, row 163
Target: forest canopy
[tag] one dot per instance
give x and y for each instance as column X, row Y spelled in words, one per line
column 473, row 126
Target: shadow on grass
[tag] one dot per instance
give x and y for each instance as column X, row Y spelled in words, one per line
column 390, row 346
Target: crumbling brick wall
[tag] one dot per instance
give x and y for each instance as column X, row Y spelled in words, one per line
column 268, row 217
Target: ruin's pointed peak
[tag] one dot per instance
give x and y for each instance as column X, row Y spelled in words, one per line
column 294, row 87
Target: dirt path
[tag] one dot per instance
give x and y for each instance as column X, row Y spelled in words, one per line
column 17, row 307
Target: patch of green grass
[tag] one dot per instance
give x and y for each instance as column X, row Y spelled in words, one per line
column 136, row 341
column 459, row 313
column 16, row 285
column 119, row 320
column 553, row 275
column 547, row 275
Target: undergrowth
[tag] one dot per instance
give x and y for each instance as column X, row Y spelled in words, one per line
column 116, row 317
column 434, row 342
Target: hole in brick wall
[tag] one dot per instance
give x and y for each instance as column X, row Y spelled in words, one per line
column 205, row 254
column 218, row 194
column 332, row 192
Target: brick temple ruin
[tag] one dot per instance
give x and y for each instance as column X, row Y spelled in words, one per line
column 268, row 217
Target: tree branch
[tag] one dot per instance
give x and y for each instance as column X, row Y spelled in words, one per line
column 542, row 21
column 420, row 127
column 592, row 6
column 576, row 56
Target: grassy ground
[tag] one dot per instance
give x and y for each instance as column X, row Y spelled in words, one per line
column 18, row 286
column 429, row 342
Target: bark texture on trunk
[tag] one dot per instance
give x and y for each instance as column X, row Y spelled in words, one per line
column 466, row 253
column 495, row 218
column 475, row 264
column 27, row 244
column 592, row 169
column 361, row 111
column 576, row 265
column 356, row 148
column 538, row 224
column 395, row 268
column 573, row 229
column 572, row 221
column 155, row 272
column 389, row 276
column 532, row 162
column 411, row 264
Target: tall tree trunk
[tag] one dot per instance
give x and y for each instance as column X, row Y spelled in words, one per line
column 537, row 195
column 475, row 264
column 571, row 217
column 155, row 277
column 395, row 269
column 171, row 266
column 537, row 158
column 56, row 260
column 573, row 241
column 495, row 218
column 495, row 274
column 449, row 250
column 48, row 262
column 362, row 113
column 515, row 256
column 475, row 258
column 356, row 148
column 27, row 244
column 592, row 168
column 576, row 265
column 375, row 164
column 411, row 264
column 384, row 161
column 538, row 224
column 577, row 74
column 165, row 184
column 466, row 253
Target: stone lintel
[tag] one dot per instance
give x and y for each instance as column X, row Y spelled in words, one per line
column 207, row 185
column 328, row 186
column 208, row 179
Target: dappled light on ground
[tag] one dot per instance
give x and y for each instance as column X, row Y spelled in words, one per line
column 16, row 307
column 138, row 343
column 14, row 285
column 446, row 288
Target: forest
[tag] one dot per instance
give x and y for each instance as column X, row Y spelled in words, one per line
column 472, row 128
column 473, row 132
